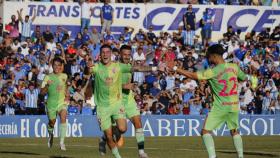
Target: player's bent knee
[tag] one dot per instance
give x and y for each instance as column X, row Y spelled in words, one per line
column 122, row 129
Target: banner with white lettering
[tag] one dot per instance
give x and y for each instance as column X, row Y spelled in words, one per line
column 153, row 125
column 161, row 16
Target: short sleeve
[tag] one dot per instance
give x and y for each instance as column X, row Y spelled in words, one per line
column 45, row 81
column 95, row 68
column 125, row 68
column 207, row 74
column 65, row 78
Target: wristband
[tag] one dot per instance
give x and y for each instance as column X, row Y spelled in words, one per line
column 154, row 68
column 175, row 68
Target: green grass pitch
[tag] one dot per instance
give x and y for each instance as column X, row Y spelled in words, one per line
column 156, row 147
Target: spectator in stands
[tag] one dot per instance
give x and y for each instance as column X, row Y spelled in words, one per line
column 151, row 37
column 31, row 99
column 127, row 35
column 188, row 36
column 195, row 107
column 206, row 24
column 44, row 68
column 206, row 109
column 85, row 36
column 266, row 104
column 230, row 32
column 79, row 95
column 107, row 16
column 170, row 81
column 59, row 34
column 26, row 24
column 86, row 11
column 13, row 27
column 48, row 36
column 189, row 19
column 109, row 37
column 36, row 33
column 95, row 36
column 9, row 103
column 139, row 59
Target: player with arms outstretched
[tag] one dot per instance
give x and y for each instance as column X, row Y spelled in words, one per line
column 131, row 111
column 223, row 79
column 54, row 85
column 108, row 94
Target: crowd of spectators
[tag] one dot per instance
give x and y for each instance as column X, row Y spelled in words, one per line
column 25, row 58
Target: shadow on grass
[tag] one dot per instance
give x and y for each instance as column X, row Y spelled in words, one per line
column 251, row 153
column 17, row 152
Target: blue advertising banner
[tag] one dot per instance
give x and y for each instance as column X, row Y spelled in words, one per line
column 153, row 125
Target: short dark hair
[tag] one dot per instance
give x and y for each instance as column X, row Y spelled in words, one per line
column 58, row 59
column 215, row 49
column 105, row 46
column 125, row 47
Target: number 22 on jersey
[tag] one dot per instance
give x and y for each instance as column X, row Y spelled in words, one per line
column 233, row 90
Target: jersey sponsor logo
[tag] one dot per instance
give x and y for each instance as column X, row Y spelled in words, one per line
column 230, row 103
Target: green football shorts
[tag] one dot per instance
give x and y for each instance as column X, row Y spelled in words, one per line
column 106, row 114
column 53, row 110
column 131, row 109
column 216, row 119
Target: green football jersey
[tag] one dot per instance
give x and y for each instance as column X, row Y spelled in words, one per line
column 127, row 94
column 56, row 90
column 223, row 80
column 108, row 83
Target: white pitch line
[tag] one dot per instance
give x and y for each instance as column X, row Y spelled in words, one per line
column 184, row 149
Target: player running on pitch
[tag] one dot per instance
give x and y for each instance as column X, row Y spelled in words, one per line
column 131, row 111
column 54, row 85
column 223, row 79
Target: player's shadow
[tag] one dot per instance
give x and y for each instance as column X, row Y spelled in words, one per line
column 251, row 153
column 18, row 153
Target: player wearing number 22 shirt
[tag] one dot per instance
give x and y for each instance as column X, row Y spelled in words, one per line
column 223, row 80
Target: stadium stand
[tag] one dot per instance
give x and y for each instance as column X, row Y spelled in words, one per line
column 24, row 63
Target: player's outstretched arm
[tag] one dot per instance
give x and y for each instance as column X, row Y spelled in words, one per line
column 192, row 75
column 138, row 68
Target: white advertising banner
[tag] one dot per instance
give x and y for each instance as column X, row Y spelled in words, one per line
column 163, row 17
